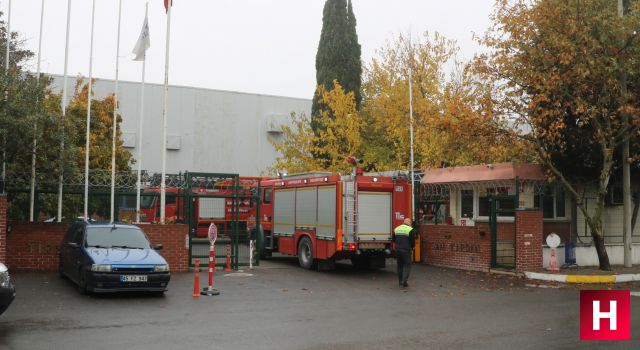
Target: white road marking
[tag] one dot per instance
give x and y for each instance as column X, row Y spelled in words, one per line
column 635, row 294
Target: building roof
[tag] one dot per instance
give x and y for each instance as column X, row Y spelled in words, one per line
column 485, row 172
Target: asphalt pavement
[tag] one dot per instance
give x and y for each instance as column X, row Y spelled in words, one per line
column 281, row 306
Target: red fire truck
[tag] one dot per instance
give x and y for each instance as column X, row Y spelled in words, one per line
column 322, row 217
column 206, row 209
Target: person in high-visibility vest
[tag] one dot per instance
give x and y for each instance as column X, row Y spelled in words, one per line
column 404, row 239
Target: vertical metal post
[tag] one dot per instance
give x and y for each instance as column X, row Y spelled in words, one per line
column 115, row 117
column 494, row 230
column 64, row 109
column 165, row 112
column 258, row 222
column 191, row 222
column 236, row 218
column 626, row 171
column 88, row 131
column 517, row 199
column 32, row 193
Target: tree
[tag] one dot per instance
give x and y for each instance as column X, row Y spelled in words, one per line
column 339, row 136
column 338, row 56
column 452, row 123
column 553, row 69
column 101, row 131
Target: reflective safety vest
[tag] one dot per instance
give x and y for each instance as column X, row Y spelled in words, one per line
column 403, row 230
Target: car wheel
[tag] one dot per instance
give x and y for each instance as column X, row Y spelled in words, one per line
column 82, row 283
column 305, row 253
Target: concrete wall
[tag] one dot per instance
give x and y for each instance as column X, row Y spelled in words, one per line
column 216, row 131
column 587, row 256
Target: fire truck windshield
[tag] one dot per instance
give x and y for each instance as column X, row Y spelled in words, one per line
column 147, row 201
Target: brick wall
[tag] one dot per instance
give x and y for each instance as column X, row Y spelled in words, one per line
column 529, row 233
column 505, row 231
column 34, row 246
column 3, row 228
column 460, row 247
column 172, row 237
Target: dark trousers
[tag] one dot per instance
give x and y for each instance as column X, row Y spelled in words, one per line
column 403, row 260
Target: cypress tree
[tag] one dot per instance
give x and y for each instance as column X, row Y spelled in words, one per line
column 338, row 56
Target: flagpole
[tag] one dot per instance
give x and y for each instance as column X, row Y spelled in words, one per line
column 411, row 123
column 164, row 116
column 141, row 124
column 32, row 195
column 88, row 135
column 6, row 97
column 64, row 111
column 115, row 118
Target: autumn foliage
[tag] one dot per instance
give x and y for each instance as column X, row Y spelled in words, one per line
column 451, row 124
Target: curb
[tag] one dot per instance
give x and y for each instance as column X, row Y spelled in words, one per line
column 583, row 278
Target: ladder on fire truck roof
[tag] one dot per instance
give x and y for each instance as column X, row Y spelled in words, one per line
column 307, row 174
column 350, row 211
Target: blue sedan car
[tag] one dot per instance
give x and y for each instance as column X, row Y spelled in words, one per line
column 102, row 257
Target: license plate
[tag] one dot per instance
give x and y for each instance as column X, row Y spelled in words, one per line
column 133, row 278
column 371, row 245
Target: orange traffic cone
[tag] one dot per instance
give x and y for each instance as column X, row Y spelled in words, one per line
column 196, row 280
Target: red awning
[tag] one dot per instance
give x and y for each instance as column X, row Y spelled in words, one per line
column 486, row 172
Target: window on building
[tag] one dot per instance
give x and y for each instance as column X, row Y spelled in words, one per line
column 466, row 203
column 552, row 202
column 484, row 204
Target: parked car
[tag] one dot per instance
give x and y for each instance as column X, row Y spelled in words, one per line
column 102, row 257
column 7, row 290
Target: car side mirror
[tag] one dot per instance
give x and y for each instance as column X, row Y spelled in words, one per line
column 156, row 246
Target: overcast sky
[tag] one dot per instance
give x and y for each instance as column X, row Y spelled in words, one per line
column 257, row 46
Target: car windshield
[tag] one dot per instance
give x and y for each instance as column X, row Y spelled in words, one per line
column 118, row 237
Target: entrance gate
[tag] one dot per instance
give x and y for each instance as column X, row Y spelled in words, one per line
column 223, row 200
column 503, row 235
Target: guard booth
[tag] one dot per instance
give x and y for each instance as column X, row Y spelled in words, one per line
column 224, row 200
column 468, row 215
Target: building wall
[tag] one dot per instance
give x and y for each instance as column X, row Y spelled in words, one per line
column 612, row 222
column 216, row 131
column 587, row 256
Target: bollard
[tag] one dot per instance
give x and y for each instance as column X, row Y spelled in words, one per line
column 210, row 291
column 228, row 269
column 553, row 262
column 251, row 244
column 196, row 279
column 212, row 254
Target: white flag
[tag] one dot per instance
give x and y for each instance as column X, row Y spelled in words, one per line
column 143, row 42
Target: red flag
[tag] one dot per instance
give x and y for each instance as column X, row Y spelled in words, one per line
column 166, row 5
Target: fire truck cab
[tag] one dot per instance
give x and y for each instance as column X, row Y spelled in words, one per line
column 322, row 218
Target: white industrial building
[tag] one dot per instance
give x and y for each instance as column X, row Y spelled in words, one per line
column 208, row 130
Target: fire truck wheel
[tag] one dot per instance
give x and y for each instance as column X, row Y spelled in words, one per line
column 305, row 253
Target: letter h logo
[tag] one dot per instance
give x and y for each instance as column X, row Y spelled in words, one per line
column 605, row 315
